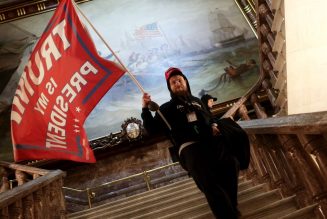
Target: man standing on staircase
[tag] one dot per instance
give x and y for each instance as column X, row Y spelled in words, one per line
column 187, row 123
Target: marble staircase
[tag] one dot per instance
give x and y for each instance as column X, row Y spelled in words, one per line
column 182, row 199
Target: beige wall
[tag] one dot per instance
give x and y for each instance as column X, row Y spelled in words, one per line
column 306, row 55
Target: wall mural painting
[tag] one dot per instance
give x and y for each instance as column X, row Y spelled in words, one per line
column 14, row 43
column 209, row 40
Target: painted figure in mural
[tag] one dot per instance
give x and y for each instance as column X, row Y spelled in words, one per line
column 187, row 123
column 234, row 71
column 208, row 101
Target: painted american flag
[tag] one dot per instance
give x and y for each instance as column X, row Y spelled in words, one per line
column 147, row 31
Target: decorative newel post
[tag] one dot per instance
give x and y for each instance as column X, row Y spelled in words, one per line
column 243, row 112
column 317, row 146
column 259, row 110
column 307, row 169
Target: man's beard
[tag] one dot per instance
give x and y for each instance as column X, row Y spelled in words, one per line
column 184, row 93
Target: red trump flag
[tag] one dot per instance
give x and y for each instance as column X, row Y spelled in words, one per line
column 62, row 82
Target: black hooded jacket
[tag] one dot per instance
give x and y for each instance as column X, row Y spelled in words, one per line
column 180, row 129
column 175, row 112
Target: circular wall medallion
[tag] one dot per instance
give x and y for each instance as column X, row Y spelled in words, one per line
column 132, row 128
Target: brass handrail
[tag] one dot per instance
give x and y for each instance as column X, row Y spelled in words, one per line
column 72, row 189
column 91, row 195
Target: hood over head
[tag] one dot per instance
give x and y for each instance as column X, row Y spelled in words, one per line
column 175, row 71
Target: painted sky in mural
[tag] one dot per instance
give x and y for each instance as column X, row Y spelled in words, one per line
column 150, row 36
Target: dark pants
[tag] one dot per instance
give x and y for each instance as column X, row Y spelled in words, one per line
column 215, row 174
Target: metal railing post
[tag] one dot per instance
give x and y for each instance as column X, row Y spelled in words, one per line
column 147, row 180
column 90, row 196
column 145, row 174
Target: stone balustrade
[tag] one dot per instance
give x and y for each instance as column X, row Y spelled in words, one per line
column 31, row 193
column 290, row 153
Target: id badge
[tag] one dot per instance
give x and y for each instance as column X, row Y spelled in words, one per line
column 191, row 117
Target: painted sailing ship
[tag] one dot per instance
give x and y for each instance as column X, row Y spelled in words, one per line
column 224, row 32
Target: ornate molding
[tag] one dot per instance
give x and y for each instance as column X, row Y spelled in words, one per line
column 18, row 11
column 108, row 141
column 127, row 134
column 247, row 8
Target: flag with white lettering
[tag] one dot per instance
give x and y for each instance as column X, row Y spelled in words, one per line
column 62, row 82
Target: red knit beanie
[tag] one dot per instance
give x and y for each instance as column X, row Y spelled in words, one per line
column 175, row 71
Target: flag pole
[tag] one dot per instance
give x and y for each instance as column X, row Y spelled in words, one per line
column 108, row 47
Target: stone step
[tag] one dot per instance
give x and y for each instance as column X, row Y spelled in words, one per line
column 168, row 209
column 277, row 209
column 192, row 204
column 274, row 210
column 258, row 201
column 252, row 191
column 205, row 215
column 152, row 195
column 200, row 212
column 163, row 203
column 183, row 200
column 303, row 213
column 245, row 185
column 174, row 187
column 146, row 205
